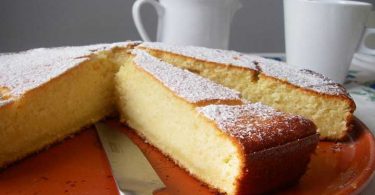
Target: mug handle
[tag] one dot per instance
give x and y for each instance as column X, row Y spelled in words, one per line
column 362, row 47
column 137, row 16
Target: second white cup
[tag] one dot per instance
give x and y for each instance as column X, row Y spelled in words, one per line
column 323, row 35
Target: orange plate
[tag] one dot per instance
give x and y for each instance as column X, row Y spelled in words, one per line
column 335, row 168
column 79, row 166
column 75, row 166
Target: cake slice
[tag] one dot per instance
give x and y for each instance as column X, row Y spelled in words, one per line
column 273, row 83
column 208, row 130
column 48, row 94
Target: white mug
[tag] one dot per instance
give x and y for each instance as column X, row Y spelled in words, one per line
column 323, row 35
column 190, row 22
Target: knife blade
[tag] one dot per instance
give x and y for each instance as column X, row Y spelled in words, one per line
column 131, row 170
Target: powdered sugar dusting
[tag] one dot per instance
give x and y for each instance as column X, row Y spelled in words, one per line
column 258, row 125
column 307, row 79
column 302, row 78
column 206, row 54
column 185, row 84
column 21, row 72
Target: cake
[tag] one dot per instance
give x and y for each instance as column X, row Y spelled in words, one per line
column 48, row 94
column 273, row 83
column 233, row 146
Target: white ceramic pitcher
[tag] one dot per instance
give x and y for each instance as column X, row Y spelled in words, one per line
column 190, row 22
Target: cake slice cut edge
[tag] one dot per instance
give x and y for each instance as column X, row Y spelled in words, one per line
column 47, row 94
column 182, row 128
column 273, row 83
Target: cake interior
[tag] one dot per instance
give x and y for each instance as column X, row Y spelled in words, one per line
column 173, row 125
column 329, row 114
column 79, row 97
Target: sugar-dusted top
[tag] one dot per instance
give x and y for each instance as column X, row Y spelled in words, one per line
column 302, row 78
column 258, row 126
column 23, row 71
column 187, row 85
column 206, row 54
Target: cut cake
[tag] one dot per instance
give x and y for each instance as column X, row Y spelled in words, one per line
column 233, row 146
column 273, row 83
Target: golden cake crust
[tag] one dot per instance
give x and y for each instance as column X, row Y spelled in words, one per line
column 275, row 168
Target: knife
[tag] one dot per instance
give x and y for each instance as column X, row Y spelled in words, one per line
column 132, row 171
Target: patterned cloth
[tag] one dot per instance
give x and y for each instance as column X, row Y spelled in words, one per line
column 361, row 86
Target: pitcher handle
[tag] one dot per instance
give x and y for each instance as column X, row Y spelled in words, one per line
column 137, row 16
column 362, row 47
